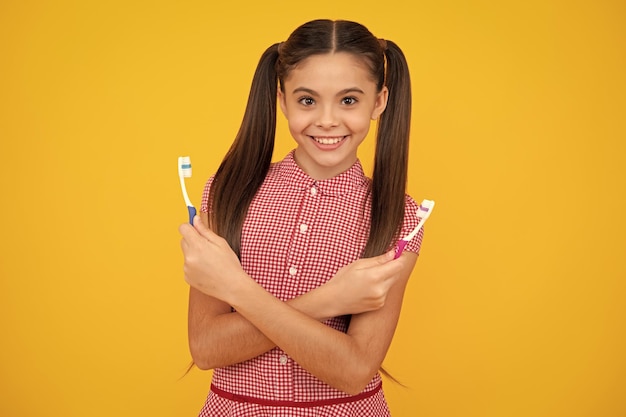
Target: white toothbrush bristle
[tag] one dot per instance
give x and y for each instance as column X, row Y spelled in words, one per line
column 184, row 171
column 425, row 208
column 423, row 212
column 185, row 166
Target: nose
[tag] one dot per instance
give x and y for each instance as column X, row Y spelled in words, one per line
column 327, row 117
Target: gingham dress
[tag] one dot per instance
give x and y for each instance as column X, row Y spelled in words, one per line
column 298, row 233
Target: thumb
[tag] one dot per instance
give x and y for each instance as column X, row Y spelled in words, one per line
column 202, row 229
column 385, row 257
column 186, row 230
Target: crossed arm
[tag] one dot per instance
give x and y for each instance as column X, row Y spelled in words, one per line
column 371, row 289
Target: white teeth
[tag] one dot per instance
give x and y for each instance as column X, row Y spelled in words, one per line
column 328, row 141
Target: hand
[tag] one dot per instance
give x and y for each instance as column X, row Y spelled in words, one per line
column 364, row 284
column 210, row 266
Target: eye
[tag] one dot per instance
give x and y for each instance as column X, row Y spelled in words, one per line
column 349, row 101
column 306, row 101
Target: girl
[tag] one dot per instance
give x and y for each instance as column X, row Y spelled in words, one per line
column 295, row 294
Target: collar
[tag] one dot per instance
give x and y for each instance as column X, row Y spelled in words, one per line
column 344, row 183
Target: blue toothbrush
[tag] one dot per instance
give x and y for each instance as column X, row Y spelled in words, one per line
column 184, row 171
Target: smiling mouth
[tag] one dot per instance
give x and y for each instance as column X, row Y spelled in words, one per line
column 328, row 140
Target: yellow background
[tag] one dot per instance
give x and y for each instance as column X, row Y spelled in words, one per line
column 517, row 305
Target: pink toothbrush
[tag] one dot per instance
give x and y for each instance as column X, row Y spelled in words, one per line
column 423, row 212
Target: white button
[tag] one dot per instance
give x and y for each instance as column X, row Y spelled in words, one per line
column 313, row 190
column 293, row 271
column 303, row 228
column 282, row 359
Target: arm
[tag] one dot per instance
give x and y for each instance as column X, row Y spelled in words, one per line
column 214, row 330
column 345, row 361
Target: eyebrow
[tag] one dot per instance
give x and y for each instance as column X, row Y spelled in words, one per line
column 342, row 92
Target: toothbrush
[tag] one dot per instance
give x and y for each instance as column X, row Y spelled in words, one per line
column 423, row 212
column 184, row 171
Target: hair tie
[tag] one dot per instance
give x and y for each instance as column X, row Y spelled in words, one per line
column 383, row 44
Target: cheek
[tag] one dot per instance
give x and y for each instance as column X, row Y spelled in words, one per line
column 358, row 122
column 299, row 121
column 297, row 129
column 296, row 124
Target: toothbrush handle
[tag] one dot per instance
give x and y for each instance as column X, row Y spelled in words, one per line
column 192, row 214
column 401, row 244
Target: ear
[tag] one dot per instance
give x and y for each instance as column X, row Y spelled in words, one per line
column 381, row 103
column 280, row 96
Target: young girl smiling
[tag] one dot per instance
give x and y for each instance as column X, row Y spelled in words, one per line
column 294, row 292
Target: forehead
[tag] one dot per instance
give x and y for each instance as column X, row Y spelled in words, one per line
column 337, row 68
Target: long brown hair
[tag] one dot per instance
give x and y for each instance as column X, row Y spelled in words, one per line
column 245, row 165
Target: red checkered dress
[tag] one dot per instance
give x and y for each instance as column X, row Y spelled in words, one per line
column 298, row 233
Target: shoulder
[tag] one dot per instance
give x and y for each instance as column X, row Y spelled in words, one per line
column 204, row 207
column 409, row 202
column 272, row 175
column 273, row 170
column 410, row 211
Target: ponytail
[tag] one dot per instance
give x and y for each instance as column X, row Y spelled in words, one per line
column 246, row 163
column 392, row 153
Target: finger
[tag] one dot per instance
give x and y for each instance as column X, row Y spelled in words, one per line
column 184, row 247
column 382, row 259
column 187, row 230
column 190, row 236
column 382, row 266
column 202, row 228
column 184, row 244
